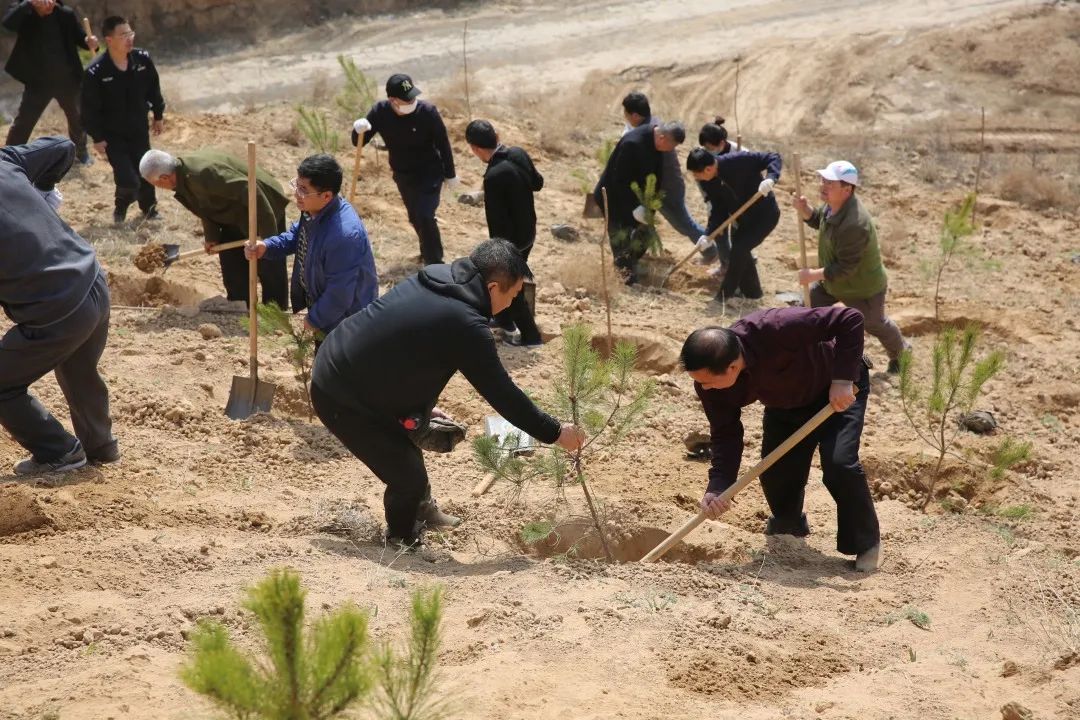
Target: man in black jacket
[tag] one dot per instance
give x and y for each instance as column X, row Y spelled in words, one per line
column 53, row 289
column 121, row 86
column 420, row 156
column 380, row 372
column 637, row 155
column 45, row 60
column 509, row 183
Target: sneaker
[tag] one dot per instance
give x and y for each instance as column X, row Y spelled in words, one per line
column 518, row 341
column 72, row 460
column 869, row 560
column 431, row 516
column 151, row 214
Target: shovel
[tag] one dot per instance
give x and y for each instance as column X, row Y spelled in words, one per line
column 249, row 395
column 715, row 233
column 173, row 254
column 766, row 462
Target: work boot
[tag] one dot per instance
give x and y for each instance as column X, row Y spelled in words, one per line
column 119, row 216
column 869, row 560
column 431, row 516
column 108, row 453
column 801, row 528
column 71, row 460
column 404, row 544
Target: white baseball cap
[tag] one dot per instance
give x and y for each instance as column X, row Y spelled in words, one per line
column 840, row 170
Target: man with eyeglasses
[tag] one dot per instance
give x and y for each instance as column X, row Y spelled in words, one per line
column 420, row 156
column 214, row 186
column 121, row 86
column 46, row 61
column 333, row 267
column 850, row 269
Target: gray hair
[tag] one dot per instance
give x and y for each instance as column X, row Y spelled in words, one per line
column 156, row 163
column 673, row 130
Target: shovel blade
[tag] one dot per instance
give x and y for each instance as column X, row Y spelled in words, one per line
column 248, row 396
column 172, row 253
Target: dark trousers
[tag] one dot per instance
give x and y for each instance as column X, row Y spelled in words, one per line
column 71, row 348
column 35, row 99
column 124, row 154
column 520, row 316
column 273, row 275
column 421, row 196
column 381, row 444
column 837, row 442
column 749, row 232
column 875, row 321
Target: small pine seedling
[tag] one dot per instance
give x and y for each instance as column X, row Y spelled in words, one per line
column 315, row 127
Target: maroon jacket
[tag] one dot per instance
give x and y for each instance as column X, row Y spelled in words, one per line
column 792, row 356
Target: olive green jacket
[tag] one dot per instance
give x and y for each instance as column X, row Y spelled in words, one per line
column 848, row 250
column 214, row 186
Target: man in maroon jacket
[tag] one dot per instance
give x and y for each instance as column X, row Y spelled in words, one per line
column 794, row 361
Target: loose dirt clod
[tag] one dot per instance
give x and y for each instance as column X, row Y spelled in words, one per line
column 150, row 258
column 20, row 511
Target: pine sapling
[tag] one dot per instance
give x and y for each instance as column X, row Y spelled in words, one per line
column 408, row 682
column 273, row 321
column 359, row 92
column 957, row 226
column 597, row 395
column 644, row 237
column 315, row 127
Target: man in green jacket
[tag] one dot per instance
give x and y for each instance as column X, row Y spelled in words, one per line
column 214, row 186
column 851, row 271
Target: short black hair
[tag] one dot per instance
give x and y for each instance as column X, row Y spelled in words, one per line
column 111, row 23
column 322, row 171
column 699, row 159
column 712, row 133
column 481, row 133
column 673, row 130
column 711, row 348
column 637, row 104
column 500, row 261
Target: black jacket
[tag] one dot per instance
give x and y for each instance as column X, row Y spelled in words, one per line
column 27, row 62
column 738, row 176
column 115, row 103
column 509, row 183
column 393, row 358
column 417, row 142
column 46, row 269
column 632, row 160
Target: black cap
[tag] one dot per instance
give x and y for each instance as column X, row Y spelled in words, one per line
column 401, row 87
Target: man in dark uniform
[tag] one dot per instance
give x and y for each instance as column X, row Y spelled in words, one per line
column 45, row 60
column 637, row 155
column 380, row 373
column 420, row 156
column 795, row 361
column 509, row 183
column 121, row 86
column 214, row 186
column 53, row 289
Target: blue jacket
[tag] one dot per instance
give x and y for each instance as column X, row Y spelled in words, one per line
column 339, row 269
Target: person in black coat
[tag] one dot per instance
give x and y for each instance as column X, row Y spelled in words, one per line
column 509, row 183
column 379, row 373
column 728, row 181
column 638, row 154
column 53, row 289
column 121, row 87
column 420, row 156
column 46, row 61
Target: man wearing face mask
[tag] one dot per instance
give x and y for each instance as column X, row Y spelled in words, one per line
column 420, row 156
column 380, row 372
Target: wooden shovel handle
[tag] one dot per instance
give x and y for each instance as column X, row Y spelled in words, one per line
column 253, row 266
column 748, row 477
column 356, row 168
column 723, row 226
column 802, row 230
column 220, row 247
column 86, row 27
column 484, row 485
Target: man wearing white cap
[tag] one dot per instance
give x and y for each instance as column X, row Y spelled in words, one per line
column 851, row 270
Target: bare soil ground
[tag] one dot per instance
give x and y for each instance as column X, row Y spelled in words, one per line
column 106, row 570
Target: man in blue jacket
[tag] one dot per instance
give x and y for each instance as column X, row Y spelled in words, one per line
column 53, row 289
column 333, row 273
column 420, row 156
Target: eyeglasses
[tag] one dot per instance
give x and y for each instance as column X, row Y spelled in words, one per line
column 299, row 191
column 125, row 36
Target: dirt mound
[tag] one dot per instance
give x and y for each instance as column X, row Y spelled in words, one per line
column 150, row 258
column 21, row 511
column 155, row 291
column 656, row 354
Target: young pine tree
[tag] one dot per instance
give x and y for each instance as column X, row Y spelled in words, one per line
column 315, row 127
column 599, row 395
column 273, row 321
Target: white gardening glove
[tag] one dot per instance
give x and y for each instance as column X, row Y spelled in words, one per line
column 639, row 214
column 361, row 126
column 704, row 243
column 453, row 184
column 53, row 197
column 766, row 186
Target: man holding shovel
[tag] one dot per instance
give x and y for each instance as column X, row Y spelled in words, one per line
column 850, row 269
column 379, row 374
column 214, row 186
column 334, row 269
column 795, row 361
column 53, row 289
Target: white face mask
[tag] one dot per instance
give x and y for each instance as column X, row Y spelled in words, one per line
column 405, row 109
